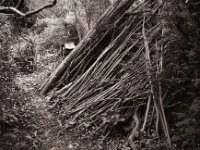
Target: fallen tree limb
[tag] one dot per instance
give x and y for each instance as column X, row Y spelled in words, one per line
column 14, row 10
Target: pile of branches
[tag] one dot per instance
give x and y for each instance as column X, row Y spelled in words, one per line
column 115, row 74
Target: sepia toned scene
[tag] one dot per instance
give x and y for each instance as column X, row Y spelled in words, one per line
column 99, row 75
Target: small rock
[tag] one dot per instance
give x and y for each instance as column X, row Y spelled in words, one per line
column 70, row 146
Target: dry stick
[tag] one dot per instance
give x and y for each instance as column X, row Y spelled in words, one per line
column 80, row 57
column 85, row 97
column 81, row 63
column 107, row 18
column 151, row 120
column 101, row 95
column 111, row 63
column 148, row 66
column 79, row 86
column 64, row 76
column 135, row 132
column 115, row 60
column 119, row 59
column 160, row 67
column 105, row 93
column 90, row 103
column 108, row 62
column 135, row 97
column 2, row 2
column 146, row 114
column 59, row 92
column 157, row 102
column 104, row 109
column 88, row 51
column 110, row 47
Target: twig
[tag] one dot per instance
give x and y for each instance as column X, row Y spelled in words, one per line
column 135, row 132
column 163, row 119
column 157, row 100
column 19, row 3
column 146, row 113
column 2, row 2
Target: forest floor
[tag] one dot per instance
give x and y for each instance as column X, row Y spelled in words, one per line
column 46, row 132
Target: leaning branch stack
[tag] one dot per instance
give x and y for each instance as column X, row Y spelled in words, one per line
column 117, row 70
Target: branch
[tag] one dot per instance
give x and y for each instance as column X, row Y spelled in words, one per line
column 2, row 2
column 19, row 3
column 13, row 10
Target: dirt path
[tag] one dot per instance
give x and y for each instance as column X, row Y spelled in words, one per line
column 48, row 127
column 48, row 132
